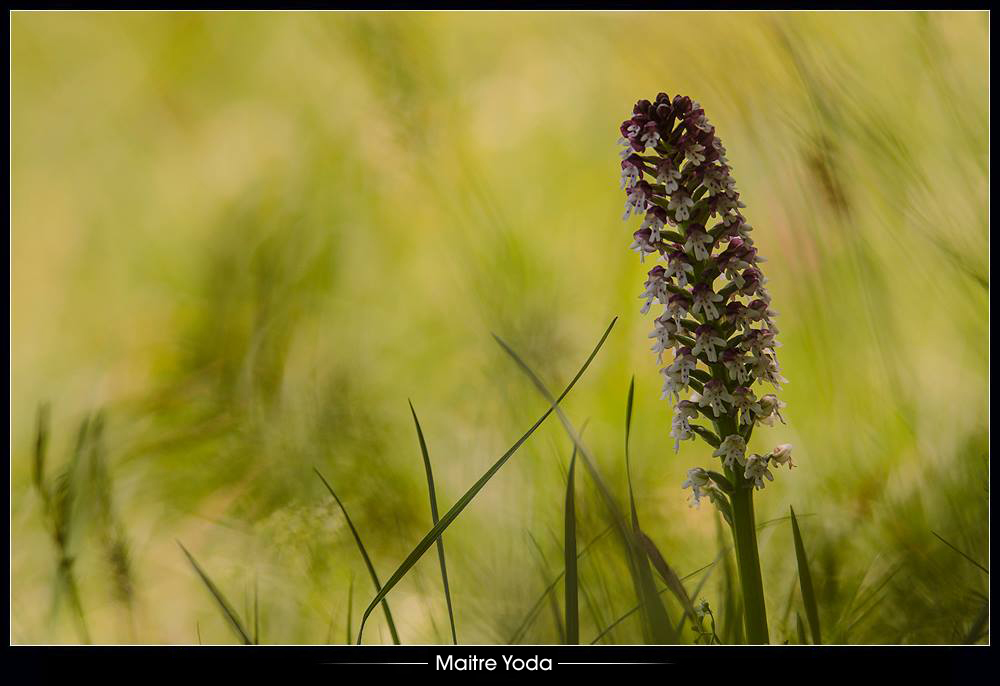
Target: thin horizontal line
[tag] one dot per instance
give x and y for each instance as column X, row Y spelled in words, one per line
column 376, row 663
column 614, row 663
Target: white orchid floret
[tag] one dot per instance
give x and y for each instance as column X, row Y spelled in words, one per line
column 729, row 201
column 699, row 242
column 631, row 170
column 668, row 175
column 758, row 311
column 650, row 135
column 770, row 408
column 756, row 470
column 713, row 396
column 698, row 481
column 694, row 153
column 736, row 365
column 684, row 363
column 782, row 455
column 656, row 288
column 678, row 267
column 765, row 368
column 664, row 332
column 681, row 203
column 680, row 428
column 732, row 450
column 673, row 384
column 759, row 341
column 654, row 221
column 720, row 149
column 643, row 243
column 637, row 198
column 706, row 340
column 747, row 404
column 678, row 305
column 626, row 150
column 736, row 313
column 703, row 298
column 717, row 180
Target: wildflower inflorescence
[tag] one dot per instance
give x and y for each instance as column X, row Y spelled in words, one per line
column 716, row 316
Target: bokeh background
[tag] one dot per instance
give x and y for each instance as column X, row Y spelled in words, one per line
column 240, row 243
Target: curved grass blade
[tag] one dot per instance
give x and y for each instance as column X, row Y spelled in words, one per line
column 649, row 547
column 569, row 549
column 533, row 612
column 464, row 501
column 656, row 622
column 367, row 559
column 227, row 609
column 434, row 520
column 805, row 581
column 941, row 538
column 669, row 576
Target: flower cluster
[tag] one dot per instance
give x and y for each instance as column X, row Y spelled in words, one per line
column 717, row 318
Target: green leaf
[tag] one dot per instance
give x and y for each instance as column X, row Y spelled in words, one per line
column 805, row 581
column 367, row 559
column 464, row 501
column 434, row 520
column 227, row 609
column 569, row 550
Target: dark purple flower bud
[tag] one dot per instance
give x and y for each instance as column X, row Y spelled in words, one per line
column 682, row 104
column 751, row 281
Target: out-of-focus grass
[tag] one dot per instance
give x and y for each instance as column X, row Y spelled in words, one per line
column 248, row 238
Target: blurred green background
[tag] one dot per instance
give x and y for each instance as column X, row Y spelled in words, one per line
column 245, row 240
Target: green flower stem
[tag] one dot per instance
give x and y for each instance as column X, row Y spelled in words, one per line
column 745, row 538
column 748, row 561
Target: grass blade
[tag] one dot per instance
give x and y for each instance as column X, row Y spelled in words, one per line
column 801, row 630
column 434, row 520
column 557, row 615
column 350, row 608
column 464, row 501
column 256, row 613
column 41, row 447
column 941, row 538
column 569, row 549
column 656, row 622
column 976, row 631
column 651, row 551
column 805, row 581
column 367, row 559
column 227, row 609
column 533, row 612
column 669, row 576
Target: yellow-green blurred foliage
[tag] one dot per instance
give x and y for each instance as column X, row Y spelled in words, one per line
column 248, row 239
